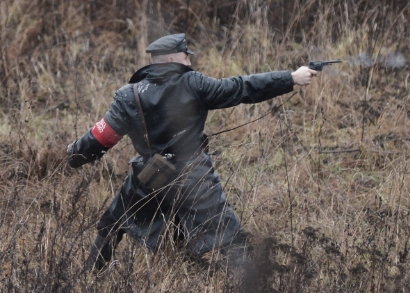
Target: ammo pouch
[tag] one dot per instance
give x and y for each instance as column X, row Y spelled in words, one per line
column 157, row 172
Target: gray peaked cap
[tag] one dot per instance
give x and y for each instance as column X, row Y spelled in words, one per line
column 168, row 45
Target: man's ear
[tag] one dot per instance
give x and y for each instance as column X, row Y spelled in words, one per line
column 170, row 59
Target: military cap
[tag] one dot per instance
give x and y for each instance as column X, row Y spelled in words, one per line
column 168, row 45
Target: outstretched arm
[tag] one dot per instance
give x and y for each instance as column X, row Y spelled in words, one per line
column 255, row 88
column 249, row 89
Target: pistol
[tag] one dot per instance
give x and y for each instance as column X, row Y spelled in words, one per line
column 318, row 65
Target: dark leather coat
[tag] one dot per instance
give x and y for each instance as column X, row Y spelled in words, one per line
column 175, row 100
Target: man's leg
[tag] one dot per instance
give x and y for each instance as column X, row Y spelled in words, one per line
column 208, row 220
column 102, row 251
column 111, row 228
column 133, row 211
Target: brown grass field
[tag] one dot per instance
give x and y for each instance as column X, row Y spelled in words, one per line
column 321, row 182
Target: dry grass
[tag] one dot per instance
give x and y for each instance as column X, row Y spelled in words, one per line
column 322, row 184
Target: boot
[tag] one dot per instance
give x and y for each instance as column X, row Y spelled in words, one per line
column 101, row 253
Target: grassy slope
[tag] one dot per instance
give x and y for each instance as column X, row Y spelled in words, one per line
column 323, row 218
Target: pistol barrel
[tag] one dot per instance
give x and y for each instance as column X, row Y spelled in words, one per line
column 334, row 61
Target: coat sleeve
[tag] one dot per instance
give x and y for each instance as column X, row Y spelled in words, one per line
column 104, row 135
column 229, row 92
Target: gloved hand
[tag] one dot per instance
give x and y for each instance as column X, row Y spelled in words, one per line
column 70, row 148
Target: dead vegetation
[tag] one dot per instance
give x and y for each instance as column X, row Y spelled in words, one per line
column 320, row 180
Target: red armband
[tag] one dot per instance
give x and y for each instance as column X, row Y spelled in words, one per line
column 105, row 135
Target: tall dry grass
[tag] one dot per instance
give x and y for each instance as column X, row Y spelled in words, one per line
column 321, row 182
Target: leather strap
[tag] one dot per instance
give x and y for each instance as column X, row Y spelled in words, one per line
column 137, row 98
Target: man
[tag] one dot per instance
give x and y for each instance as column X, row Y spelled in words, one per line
column 175, row 101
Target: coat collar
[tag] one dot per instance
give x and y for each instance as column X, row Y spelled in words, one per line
column 159, row 71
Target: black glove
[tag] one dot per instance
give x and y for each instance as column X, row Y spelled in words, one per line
column 85, row 150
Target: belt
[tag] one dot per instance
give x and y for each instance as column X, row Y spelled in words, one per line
column 174, row 158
